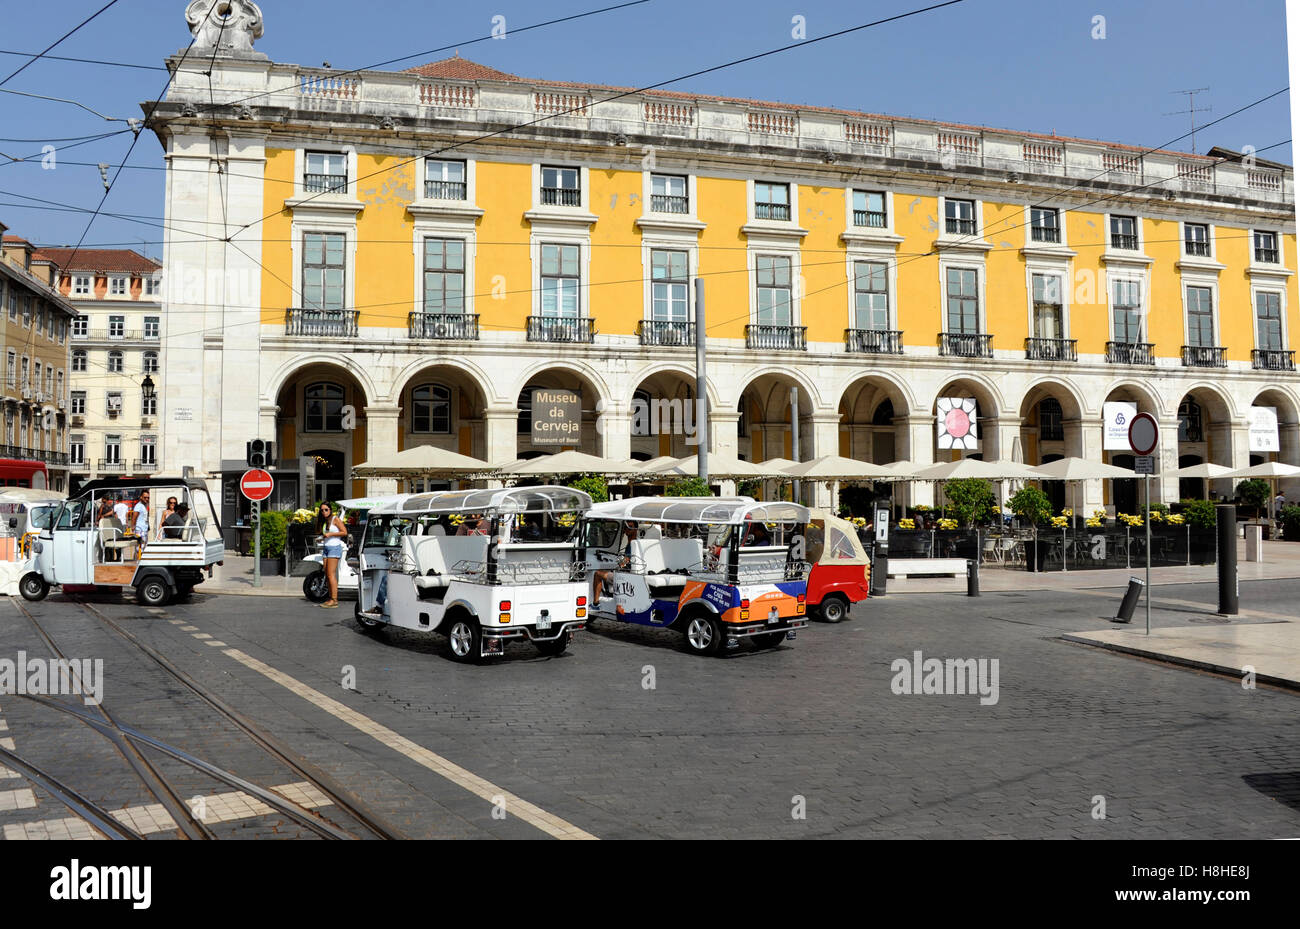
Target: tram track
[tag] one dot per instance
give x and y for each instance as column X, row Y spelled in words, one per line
column 128, row 740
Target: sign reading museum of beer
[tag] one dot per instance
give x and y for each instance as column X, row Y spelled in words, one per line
column 557, row 416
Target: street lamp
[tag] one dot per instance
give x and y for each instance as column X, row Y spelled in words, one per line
column 146, row 388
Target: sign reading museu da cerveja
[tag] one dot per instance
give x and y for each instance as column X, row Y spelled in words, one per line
column 557, row 416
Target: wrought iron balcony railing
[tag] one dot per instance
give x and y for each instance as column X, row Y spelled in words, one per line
column 560, row 329
column 1204, row 356
column 1045, row 234
column 666, row 203
column 959, row 226
column 666, row 332
column 778, row 338
column 1267, row 256
column 112, row 464
column 561, row 196
column 445, row 190
column 1131, row 353
column 874, row 341
column 777, row 211
column 326, row 324
column 325, row 183
column 1272, row 359
column 1197, row 249
column 1126, row 241
column 141, row 465
column 869, row 218
column 455, row 326
column 966, row 344
column 1051, row 349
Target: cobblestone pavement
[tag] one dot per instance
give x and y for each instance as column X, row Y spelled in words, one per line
column 719, row 747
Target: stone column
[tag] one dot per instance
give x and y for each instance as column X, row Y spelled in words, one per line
column 614, row 433
column 825, row 441
column 724, row 433
column 1084, row 439
column 1164, row 489
column 1289, row 444
column 381, row 439
column 500, row 440
column 917, row 437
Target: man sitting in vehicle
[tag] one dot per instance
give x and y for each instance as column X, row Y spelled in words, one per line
column 174, row 525
column 622, row 544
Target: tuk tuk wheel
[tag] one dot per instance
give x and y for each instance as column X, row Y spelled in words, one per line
column 834, row 609
column 153, row 592
column 316, row 587
column 466, row 639
column 703, row 634
column 33, row 587
column 365, row 622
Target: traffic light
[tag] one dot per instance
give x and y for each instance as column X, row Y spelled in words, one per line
column 260, row 453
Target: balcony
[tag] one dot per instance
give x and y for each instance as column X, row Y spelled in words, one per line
column 869, row 218
column 1196, row 249
column 774, row 211
column 1051, row 349
column 665, row 203
column 966, row 344
column 561, row 329
column 1204, row 356
column 58, row 459
column 140, row 465
column 874, row 341
column 445, row 190
column 778, row 338
column 959, row 226
column 1272, row 359
column 111, row 464
column 1049, row 234
column 325, row 183
column 1125, row 241
column 666, row 332
column 1131, row 353
column 443, row 326
column 1266, row 256
column 561, row 196
column 321, row 324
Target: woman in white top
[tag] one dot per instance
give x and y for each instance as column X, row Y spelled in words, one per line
column 331, row 527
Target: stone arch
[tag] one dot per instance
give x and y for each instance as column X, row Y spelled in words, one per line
column 595, row 397
column 290, row 367
column 421, row 419
column 330, row 426
column 863, row 432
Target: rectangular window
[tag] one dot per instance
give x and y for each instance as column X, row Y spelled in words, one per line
column 668, row 286
column 113, row 449
column 560, row 187
column 13, row 304
column 151, row 328
column 27, row 312
column 149, row 406
column 1124, row 233
column 148, row 450
column 58, row 385
column 1265, row 249
column 78, row 403
column 114, row 402
column 80, row 327
column 1126, row 306
column 11, row 369
column 77, row 449
column 40, row 318
column 774, row 291
column 150, row 363
column 870, row 295
column 151, row 286
column 560, row 281
column 869, row 209
column 27, row 368
column 668, row 194
column 444, row 276
column 81, row 285
column 116, row 327
column 1268, row 321
column 114, row 362
column 771, row 201
column 79, row 365
column 444, row 180
column 322, row 270
column 1196, row 239
column 327, row 172
column 1045, row 225
column 1200, row 317
column 117, row 287
column 963, row 301
column 1049, row 315
column 959, row 216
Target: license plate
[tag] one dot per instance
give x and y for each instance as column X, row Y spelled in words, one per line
column 773, row 615
column 544, row 621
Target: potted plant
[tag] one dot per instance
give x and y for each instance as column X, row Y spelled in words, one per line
column 1033, row 508
column 275, row 534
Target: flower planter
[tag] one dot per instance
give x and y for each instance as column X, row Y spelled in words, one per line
column 272, row 567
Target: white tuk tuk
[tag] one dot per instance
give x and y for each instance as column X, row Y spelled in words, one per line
column 479, row 566
column 315, row 586
column 716, row 569
column 89, row 546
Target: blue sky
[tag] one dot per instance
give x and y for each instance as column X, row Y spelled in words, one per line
column 1019, row 64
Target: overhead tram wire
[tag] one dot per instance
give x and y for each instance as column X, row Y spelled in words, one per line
column 84, row 61
column 628, row 93
column 56, row 43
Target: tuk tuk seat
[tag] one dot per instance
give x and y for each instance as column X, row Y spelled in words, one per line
column 111, row 535
column 423, row 556
column 667, row 560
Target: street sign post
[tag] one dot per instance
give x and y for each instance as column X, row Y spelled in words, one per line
column 1144, row 438
column 256, row 485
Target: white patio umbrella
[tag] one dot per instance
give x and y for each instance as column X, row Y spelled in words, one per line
column 1206, row 471
column 836, row 468
column 1078, row 470
column 720, row 466
column 421, row 461
column 1000, row 470
column 572, row 462
column 1269, row 471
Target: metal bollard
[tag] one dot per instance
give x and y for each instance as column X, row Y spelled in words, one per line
column 1229, row 590
column 1130, row 601
column 973, row 577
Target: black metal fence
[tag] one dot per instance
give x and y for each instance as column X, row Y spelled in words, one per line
column 1061, row 549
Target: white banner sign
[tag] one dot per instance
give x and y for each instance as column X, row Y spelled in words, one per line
column 1263, row 429
column 1117, row 416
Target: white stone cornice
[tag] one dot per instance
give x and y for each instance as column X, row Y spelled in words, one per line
column 1191, row 263
column 1123, row 258
column 773, row 230
column 956, row 245
column 1050, row 252
column 308, row 205
column 560, row 218
column 1256, row 270
column 854, row 237
column 436, row 209
column 669, row 224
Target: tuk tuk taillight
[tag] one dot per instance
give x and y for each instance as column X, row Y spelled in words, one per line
column 504, row 618
column 505, row 606
column 582, row 601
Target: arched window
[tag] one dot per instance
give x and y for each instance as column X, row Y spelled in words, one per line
column 150, row 362
column 431, row 409
column 641, row 413
column 1189, row 421
column 79, row 360
column 1050, row 426
column 323, row 408
column 114, row 362
column 884, row 415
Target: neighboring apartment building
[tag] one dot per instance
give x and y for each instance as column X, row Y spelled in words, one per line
column 115, row 345
column 36, row 325
column 885, row 267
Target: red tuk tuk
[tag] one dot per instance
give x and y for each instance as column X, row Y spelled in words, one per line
column 841, row 570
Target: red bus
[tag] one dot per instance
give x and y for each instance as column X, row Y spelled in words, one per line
column 24, row 472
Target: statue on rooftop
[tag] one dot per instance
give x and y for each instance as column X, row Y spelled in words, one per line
column 225, row 25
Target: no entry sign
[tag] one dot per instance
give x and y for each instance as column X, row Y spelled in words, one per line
column 256, row 484
column 1143, row 434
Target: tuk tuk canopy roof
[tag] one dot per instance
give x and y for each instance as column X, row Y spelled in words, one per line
column 507, row 500
column 707, row 510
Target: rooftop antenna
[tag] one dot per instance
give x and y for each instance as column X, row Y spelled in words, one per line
column 1192, row 109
